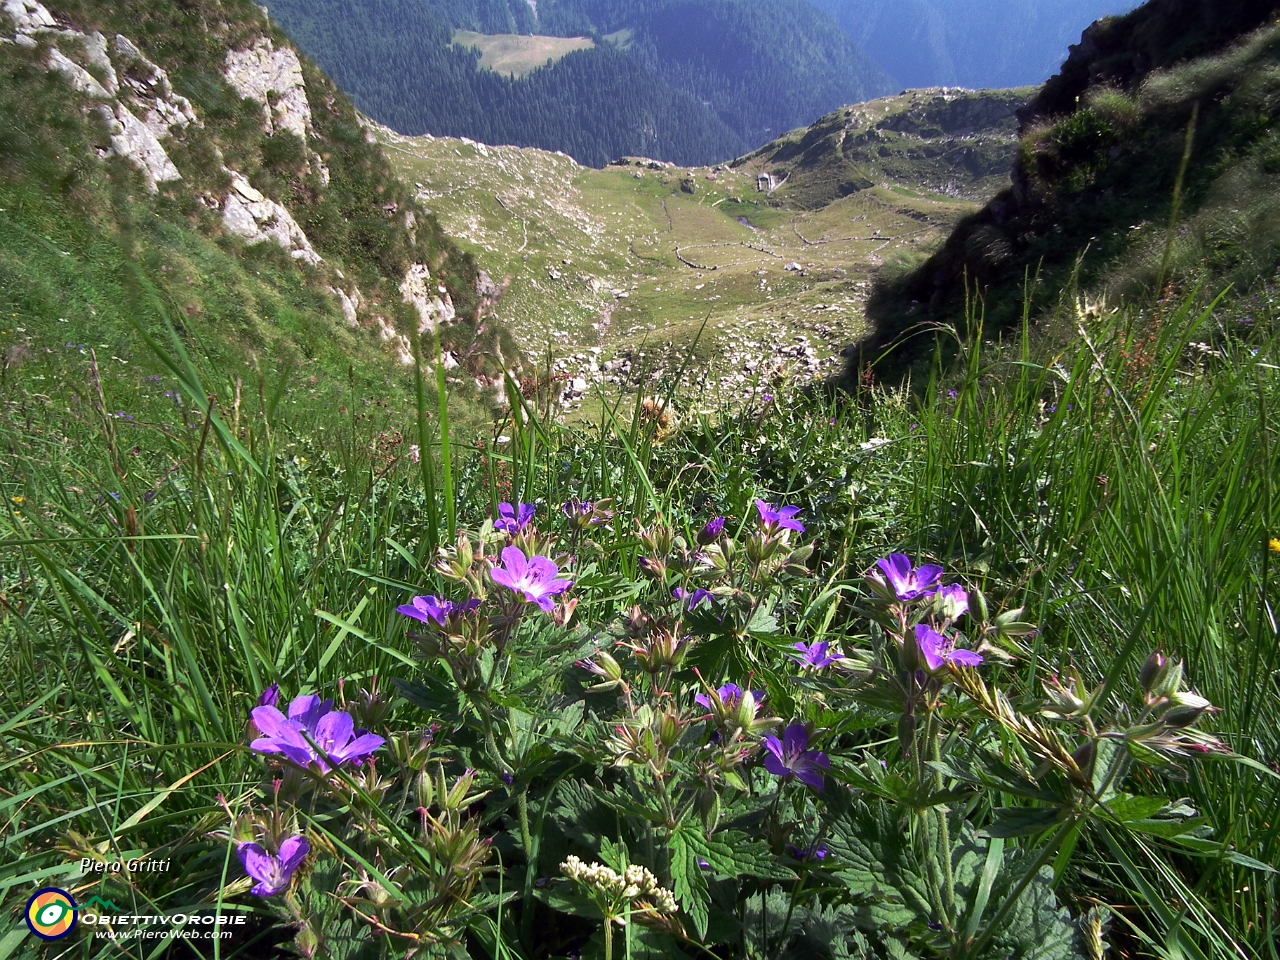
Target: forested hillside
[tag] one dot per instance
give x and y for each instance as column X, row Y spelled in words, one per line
column 978, row 44
column 691, row 81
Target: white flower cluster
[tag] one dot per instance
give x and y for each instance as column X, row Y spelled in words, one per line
column 637, row 882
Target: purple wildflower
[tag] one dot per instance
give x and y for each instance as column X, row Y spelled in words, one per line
column 312, row 721
column 270, row 696
column 273, row 873
column 711, row 532
column 791, row 757
column 730, row 695
column 815, row 851
column 815, row 655
column 693, row 598
column 953, row 601
column 939, row 651
column 533, row 578
column 780, row 518
column 511, row 520
column 909, row 583
column 432, row 610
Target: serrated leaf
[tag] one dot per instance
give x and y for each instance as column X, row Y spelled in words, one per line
column 1023, row 821
column 687, row 878
column 731, row 855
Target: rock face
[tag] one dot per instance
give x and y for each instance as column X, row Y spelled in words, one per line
column 350, row 304
column 256, row 218
column 266, row 74
column 79, row 78
column 433, row 308
column 162, row 110
column 134, row 140
column 29, row 16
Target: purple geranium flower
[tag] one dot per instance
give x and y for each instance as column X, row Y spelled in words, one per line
column 791, row 757
column 269, row 696
column 711, row 532
column 312, row 720
column 533, row 578
column 432, row 610
column 694, row 598
column 953, row 601
column 730, row 695
column 273, row 873
column 939, row 651
column 511, row 520
column 815, row 655
column 815, row 851
column 909, row 583
column 780, row 518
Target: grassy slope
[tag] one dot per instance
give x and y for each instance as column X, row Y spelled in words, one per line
column 515, row 55
column 72, row 227
column 623, row 230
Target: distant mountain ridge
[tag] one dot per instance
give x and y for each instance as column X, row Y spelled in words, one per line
column 690, row 81
column 979, row 44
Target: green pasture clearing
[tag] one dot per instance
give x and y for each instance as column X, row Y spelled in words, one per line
column 515, row 55
column 643, row 253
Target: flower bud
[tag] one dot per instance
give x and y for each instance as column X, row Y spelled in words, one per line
column 1150, row 670
column 1179, row 717
column 710, row 533
column 907, row 732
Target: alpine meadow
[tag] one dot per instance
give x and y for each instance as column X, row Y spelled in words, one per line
column 593, row 479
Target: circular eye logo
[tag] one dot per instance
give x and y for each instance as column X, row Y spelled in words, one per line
column 51, row 913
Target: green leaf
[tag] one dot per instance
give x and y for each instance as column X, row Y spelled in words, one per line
column 688, row 880
column 1024, row 821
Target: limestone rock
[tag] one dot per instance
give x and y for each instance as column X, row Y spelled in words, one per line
column 149, row 88
column 248, row 214
column 398, row 342
column 433, row 308
column 29, row 16
column 350, row 303
column 95, row 45
column 262, row 70
column 79, row 78
column 131, row 139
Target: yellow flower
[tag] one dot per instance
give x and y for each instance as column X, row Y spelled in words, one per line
column 1274, row 544
column 18, row 499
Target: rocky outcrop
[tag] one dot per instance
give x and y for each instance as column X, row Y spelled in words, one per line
column 249, row 214
column 434, row 308
column 133, row 140
column 273, row 77
column 350, row 303
column 29, row 16
column 79, row 78
column 395, row 340
column 149, row 89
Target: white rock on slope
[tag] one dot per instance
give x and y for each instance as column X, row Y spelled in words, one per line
column 398, row 342
column 350, row 304
column 433, row 308
column 263, row 70
column 79, row 78
column 95, row 45
column 131, row 139
column 256, row 218
column 149, row 87
column 29, row 16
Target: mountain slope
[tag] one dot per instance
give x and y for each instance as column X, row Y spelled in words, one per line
column 690, row 81
column 968, row 43
column 955, row 143
column 1100, row 152
column 193, row 144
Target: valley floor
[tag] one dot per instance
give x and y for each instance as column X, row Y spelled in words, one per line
column 611, row 273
